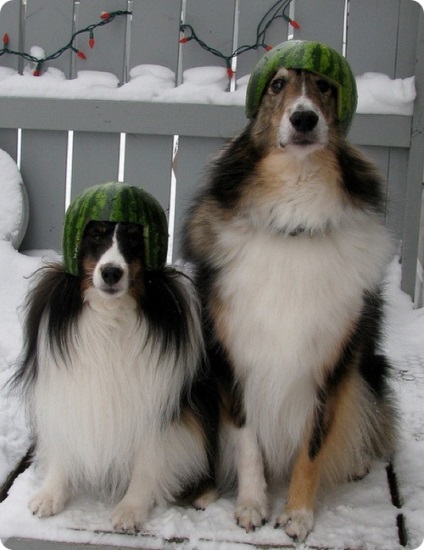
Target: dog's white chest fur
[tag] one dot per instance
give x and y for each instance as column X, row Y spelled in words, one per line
column 289, row 304
column 98, row 408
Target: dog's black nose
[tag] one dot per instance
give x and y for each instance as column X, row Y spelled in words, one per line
column 111, row 274
column 304, row 121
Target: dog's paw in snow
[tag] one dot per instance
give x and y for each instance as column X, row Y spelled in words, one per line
column 296, row 523
column 46, row 504
column 206, row 498
column 251, row 515
column 128, row 518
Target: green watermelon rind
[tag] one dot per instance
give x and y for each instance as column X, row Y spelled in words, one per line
column 116, row 202
column 308, row 55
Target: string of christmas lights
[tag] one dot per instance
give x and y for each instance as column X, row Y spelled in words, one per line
column 105, row 19
column 277, row 11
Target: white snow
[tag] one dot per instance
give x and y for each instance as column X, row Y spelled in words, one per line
column 37, row 52
column 354, row 515
column 13, row 203
column 377, row 92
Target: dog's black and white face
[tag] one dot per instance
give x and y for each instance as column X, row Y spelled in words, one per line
column 111, row 258
column 298, row 112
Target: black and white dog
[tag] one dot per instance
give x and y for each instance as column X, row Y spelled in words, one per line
column 290, row 252
column 113, row 380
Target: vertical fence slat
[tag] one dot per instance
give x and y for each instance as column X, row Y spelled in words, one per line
column 213, row 22
column 9, row 142
column 372, row 36
column 95, row 159
column 191, row 163
column 409, row 17
column 110, row 40
column 249, row 17
column 44, row 166
column 10, row 23
column 155, row 33
column 49, row 24
column 414, row 175
column 148, row 164
column 419, row 288
column 322, row 21
column 396, row 188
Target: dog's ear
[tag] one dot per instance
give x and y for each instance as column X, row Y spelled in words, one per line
column 360, row 177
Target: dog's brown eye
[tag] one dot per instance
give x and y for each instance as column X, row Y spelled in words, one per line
column 133, row 241
column 277, row 85
column 97, row 237
column 323, row 86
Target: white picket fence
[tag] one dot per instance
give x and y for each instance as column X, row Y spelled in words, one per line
column 385, row 36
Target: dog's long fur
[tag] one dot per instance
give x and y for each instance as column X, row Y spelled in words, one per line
column 290, row 249
column 112, row 372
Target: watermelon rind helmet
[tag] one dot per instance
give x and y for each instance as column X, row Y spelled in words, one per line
column 312, row 56
column 116, row 202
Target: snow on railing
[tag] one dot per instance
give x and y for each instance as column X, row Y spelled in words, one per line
column 377, row 93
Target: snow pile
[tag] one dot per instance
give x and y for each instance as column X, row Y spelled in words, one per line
column 53, row 84
column 206, row 85
column 377, row 92
column 15, row 269
column 14, row 202
column 38, row 52
column 147, row 83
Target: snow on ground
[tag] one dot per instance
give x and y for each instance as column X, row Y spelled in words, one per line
column 377, row 92
column 355, row 515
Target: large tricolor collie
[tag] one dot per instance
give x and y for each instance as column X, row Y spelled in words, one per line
column 112, row 364
column 290, row 250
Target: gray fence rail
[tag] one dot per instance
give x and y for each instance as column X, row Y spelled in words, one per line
column 385, row 36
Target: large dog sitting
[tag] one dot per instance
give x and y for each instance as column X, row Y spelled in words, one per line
column 290, row 251
column 112, row 364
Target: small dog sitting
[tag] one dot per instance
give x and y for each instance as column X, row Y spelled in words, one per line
column 112, row 363
column 290, row 250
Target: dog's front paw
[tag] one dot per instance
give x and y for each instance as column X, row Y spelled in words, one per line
column 46, row 504
column 296, row 523
column 128, row 518
column 251, row 515
column 206, row 498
